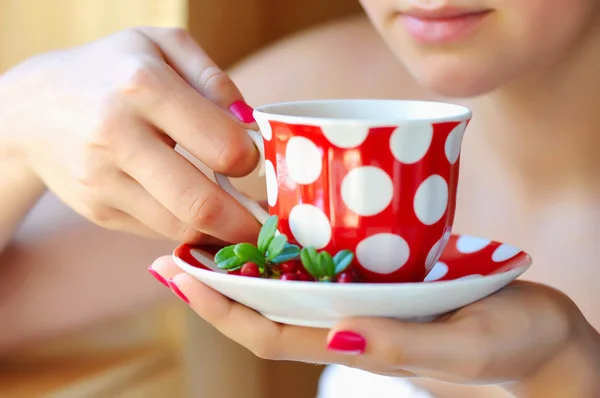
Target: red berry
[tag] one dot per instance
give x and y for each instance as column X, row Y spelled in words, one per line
column 345, row 277
column 250, row 269
column 304, row 277
column 289, row 277
column 288, row 267
column 236, row 272
column 302, row 270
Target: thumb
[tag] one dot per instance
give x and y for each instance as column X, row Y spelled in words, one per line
column 437, row 349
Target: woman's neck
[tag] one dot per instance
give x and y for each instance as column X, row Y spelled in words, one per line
column 546, row 126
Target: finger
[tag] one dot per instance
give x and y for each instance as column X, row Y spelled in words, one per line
column 117, row 220
column 266, row 339
column 165, row 267
column 208, row 132
column 184, row 190
column 134, row 200
column 439, row 349
column 190, row 61
column 91, row 207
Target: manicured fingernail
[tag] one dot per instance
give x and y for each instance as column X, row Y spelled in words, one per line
column 242, row 111
column 176, row 290
column 347, row 343
column 157, row 276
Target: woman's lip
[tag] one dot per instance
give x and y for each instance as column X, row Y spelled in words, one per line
column 440, row 13
column 442, row 26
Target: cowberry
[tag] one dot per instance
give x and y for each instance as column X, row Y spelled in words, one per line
column 250, row 269
column 288, row 267
column 305, row 277
column 289, row 277
column 345, row 277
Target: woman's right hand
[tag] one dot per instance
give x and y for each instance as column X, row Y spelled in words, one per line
column 99, row 123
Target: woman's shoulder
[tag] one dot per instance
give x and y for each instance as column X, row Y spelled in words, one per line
column 340, row 59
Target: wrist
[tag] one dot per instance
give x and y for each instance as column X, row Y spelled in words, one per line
column 22, row 187
column 572, row 373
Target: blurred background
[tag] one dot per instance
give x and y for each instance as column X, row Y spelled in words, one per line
column 161, row 350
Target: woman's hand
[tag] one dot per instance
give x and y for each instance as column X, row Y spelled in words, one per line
column 99, row 123
column 518, row 336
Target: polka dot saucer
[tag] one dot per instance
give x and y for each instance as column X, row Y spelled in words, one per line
column 468, row 270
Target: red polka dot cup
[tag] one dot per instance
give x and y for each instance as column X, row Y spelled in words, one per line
column 378, row 177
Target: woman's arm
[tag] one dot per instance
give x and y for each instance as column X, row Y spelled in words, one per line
column 20, row 189
column 60, row 272
column 575, row 372
column 56, row 266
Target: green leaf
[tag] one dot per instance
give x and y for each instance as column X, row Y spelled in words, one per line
column 308, row 257
column 276, row 246
column 224, row 254
column 342, row 260
column 247, row 252
column 312, row 253
column 288, row 253
column 267, row 232
column 231, row 264
column 326, row 264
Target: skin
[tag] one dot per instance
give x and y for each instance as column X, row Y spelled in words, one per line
column 549, row 207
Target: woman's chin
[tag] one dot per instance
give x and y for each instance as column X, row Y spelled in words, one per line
column 456, row 81
column 458, row 87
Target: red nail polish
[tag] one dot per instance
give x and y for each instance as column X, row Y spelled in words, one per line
column 176, row 290
column 157, row 276
column 347, row 343
column 242, row 111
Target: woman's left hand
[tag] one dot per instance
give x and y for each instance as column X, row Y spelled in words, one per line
column 515, row 336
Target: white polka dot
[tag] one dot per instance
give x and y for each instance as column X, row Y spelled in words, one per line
column 437, row 272
column 433, row 255
column 367, row 190
column 265, row 129
column 431, row 199
column 454, row 141
column 271, row 180
column 504, row 252
column 467, row 277
column 410, row 142
column 470, row 244
column 310, row 226
column 303, row 160
column 345, row 136
column 383, row 253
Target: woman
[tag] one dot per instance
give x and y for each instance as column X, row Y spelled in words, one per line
column 517, row 165
column 530, row 73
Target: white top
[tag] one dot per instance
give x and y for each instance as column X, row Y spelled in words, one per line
column 343, row 382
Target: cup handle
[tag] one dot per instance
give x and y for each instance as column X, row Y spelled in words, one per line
column 223, row 181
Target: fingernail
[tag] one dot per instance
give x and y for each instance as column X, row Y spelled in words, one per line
column 176, row 290
column 347, row 343
column 242, row 111
column 157, row 276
